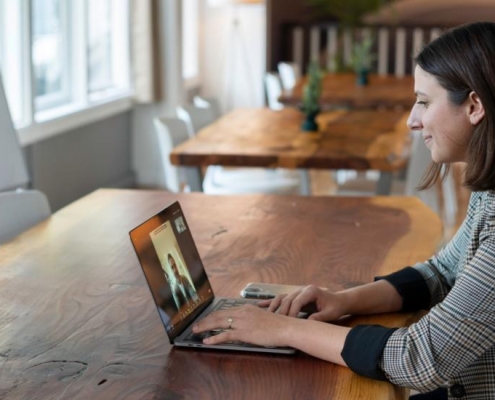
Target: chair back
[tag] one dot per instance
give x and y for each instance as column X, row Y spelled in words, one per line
column 273, row 89
column 196, row 118
column 170, row 133
column 208, row 102
column 21, row 210
column 289, row 74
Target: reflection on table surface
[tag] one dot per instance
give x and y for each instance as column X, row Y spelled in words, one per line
column 78, row 320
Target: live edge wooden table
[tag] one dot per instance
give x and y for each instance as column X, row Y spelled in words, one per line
column 260, row 137
column 77, row 319
column 341, row 90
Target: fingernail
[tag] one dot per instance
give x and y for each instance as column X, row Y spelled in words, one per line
column 206, row 340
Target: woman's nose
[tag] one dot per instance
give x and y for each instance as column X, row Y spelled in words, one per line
column 414, row 122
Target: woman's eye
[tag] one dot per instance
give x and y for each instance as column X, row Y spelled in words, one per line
column 422, row 103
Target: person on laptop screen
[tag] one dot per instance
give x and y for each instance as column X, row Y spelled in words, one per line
column 181, row 287
column 451, row 349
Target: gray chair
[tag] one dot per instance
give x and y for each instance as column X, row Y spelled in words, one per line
column 21, row 210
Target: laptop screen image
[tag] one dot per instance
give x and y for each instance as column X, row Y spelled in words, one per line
column 173, row 268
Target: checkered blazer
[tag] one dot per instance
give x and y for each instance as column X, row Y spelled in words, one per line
column 454, row 344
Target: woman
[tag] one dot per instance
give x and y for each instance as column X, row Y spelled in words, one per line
column 453, row 346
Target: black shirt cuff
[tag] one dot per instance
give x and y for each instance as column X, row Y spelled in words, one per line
column 411, row 285
column 363, row 350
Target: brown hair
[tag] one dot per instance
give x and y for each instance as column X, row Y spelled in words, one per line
column 463, row 60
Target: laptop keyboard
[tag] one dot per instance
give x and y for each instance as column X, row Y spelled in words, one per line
column 223, row 304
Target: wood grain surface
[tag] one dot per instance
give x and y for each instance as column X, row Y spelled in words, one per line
column 260, row 137
column 77, row 319
column 341, row 90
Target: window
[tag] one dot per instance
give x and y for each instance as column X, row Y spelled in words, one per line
column 60, row 57
column 190, row 42
column 50, row 53
column 12, row 58
column 107, row 47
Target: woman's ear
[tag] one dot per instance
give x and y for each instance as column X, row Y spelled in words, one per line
column 476, row 111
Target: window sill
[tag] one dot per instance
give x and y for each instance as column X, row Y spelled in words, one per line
column 53, row 123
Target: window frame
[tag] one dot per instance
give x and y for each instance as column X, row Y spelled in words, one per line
column 53, row 117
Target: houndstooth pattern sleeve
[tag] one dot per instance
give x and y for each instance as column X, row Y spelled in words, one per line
column 441, row 270
column 457, row 336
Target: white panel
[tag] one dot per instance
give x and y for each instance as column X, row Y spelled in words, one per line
column 297, row 47
column 347, row 46
column 400, row 52
column 332, row 48
column 435, row 32
column 314, row 44
column 383, row 38
column 418, row 42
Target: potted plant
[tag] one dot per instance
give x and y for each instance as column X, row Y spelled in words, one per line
column 311, row 95
column 362, row 59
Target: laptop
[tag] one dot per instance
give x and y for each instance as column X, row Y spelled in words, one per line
column 178, row 282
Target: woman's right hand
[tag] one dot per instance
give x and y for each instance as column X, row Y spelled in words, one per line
column 321, row 304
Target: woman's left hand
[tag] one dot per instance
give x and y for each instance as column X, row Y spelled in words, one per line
column 248, row 323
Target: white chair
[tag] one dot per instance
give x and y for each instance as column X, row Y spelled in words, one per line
column 21, row 210
column 273, row 89
column 195, row 117
column 289, row 74
column 226, row 180
column 208, row 102
column 170, row 133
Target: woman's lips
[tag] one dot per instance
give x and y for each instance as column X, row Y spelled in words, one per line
column 427, row 139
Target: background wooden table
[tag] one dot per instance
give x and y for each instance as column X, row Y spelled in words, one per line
column 77, row 319
column 341, row 90
column 359, row 140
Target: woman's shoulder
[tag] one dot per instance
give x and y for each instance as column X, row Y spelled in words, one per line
column 481, row 200
column 486, row 201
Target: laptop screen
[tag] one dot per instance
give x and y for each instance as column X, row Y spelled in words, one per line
column 172, row 267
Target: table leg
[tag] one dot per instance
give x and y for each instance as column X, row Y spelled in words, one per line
column 193, row 177
column 305, row 182
column 384, row 184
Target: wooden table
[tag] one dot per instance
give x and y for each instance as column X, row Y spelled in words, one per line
column 358, row 139
column 341, row 90
column 77, row 319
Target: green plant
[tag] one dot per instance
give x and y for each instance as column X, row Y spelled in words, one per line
column 348, row 12
column 312, row 89
column 362, row 56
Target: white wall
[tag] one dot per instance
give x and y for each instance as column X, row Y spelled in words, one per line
column 226, row 51
column 70, row 165
column 145, row 155
column 233, row 56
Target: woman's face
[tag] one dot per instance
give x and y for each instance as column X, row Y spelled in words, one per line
column 446, row 127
